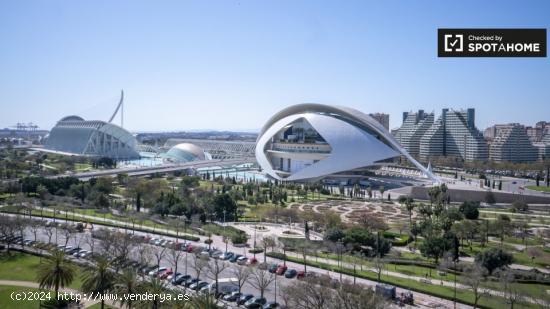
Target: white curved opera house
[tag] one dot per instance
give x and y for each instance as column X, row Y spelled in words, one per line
column 311, row 141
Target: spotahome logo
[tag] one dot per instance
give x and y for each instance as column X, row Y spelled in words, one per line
column 491, row 42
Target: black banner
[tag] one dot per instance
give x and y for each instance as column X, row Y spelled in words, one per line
column 491, row 42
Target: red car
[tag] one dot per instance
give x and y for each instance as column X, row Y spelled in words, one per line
column 165, row 273
column 301, row 274
column 281, row 270
column 251, row 261
column 189, row 248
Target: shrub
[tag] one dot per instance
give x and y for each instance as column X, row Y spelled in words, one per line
column 239, row 238
column 494, row 258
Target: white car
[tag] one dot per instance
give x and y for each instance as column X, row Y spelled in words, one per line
column 153, row 273
column 242, row 260
column 85, row 254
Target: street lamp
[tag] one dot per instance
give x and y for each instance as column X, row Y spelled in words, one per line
column 224, row 235
column 275, row 288
column 255, row 241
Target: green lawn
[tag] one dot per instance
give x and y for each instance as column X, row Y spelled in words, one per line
column 6, row 301
column 539, row 188
column 23, row 267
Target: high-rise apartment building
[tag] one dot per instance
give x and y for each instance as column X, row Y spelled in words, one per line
column 383, row 119
column 454, row 134
column 493, row 131
column 413, row 128
column 543, row 148
column 512, row 144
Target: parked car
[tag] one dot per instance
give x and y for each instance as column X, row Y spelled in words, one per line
column 234, row 296
column 165, row 273
column 301, row 274
column 242, row 260
column 291, row 273
column 226, row 256
column 172, row 275
column 252, row 261
column 244, row 298
column 272, row 268
column 145, row 269
column 77, row 253
column 216, row 254
column 255, row 303
column 271, row 305
column 191, row 281
column 180, row 279
column 281, row 270
column 156, row 271
column 234, row 258
column 198, row 285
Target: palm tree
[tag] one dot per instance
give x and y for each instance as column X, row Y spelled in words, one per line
column 409, row 203
column 155, row 287
column 127, row 283
column 55, row 271
column 99, row 278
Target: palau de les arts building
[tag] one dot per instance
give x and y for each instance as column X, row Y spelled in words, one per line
column 311, row 141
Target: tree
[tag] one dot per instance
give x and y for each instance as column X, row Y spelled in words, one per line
column 472, row 278
column 304, row 248
column 159, row 254
column 470, row 210
column 507, row 281
column 42, row 191
column 98, row 278
column 199, row 263
column 261, row 279
column 224, row 202
column 268, row 242
column 125, row 284
column 154, row 286
column 215, row 268
column 409, row 204
column 334, row 234
column 8, row 229
column 242, row 274
column 503, row 226
column 175, row 257
column 379, row 265
column 493, row 258
column 318, row 293
column 434, row 247
column 55, row 271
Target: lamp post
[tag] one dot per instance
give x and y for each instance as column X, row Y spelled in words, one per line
column 255, row 241
column 224, row 235
column 339, row 246
column 275, row 288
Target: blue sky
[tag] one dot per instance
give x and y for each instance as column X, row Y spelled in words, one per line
column 231, row 64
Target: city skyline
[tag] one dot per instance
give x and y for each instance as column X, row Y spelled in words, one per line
column 192, row 66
